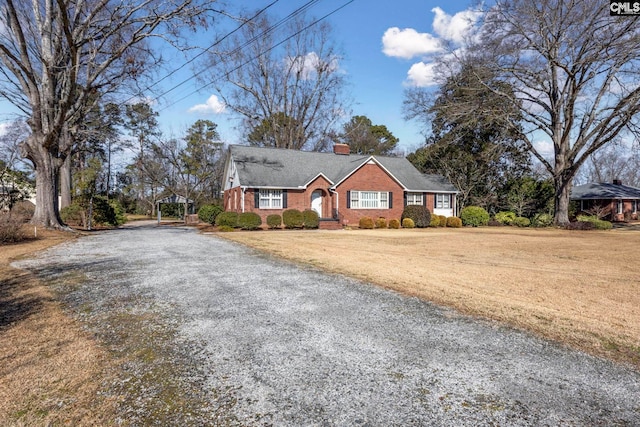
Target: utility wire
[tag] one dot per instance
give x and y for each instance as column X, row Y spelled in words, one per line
column 254, row 57
column 269, row 30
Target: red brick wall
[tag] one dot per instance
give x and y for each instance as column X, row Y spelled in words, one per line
column 370, row 177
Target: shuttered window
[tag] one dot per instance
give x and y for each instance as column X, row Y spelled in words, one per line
column 271, row 199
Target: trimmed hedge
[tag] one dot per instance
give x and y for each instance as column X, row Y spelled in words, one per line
column 293, row 218
column 249, row 221
column 394, row 223
column 521, row 221
column 598, row 224
column 474, row 216
column 505, row 217
column 419, row 214
column 274, row 221
column 381, row 223
column 310, row 219
column 366, row 222
column 227, row 219
column 542, row 220
column 442, row 221
column 208, row 213
column 454, row 222
column 408, row 223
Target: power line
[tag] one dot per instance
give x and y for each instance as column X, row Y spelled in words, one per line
column 269, row 30
column 281, row 22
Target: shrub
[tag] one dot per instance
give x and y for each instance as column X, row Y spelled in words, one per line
column 408, row 223
column 225, row 228
column 227, row 219
column 24, row 210
column 419, row 214
column 598, row 224
column 474, row 216
column 542, row 220
column 381, row 223
column 442, row 220
column 208, row 213
column 72, row 214
column 394, row 223
column 274, row 221
column 249, row 221
column 311, row 219
column 521, row 221
column 505, row 217
column 579, row 225
column 435, row 221
column 493, row 223
column 454, row 222
column 11, row 229
column 366, row 222
column 120, row 213
column 292, row 218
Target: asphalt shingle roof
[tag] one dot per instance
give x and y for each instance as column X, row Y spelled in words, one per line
column 282, row 168
column 599, row 190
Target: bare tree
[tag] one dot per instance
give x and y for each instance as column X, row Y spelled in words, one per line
column 283, row 79
column 55, row 54
column 614, row 162
column 574, row 71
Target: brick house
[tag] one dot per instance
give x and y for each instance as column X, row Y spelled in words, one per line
column 613, row 201
column 340, row 186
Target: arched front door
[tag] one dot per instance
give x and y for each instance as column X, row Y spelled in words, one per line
column 316, row 202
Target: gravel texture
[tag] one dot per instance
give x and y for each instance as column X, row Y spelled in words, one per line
column 280, row 344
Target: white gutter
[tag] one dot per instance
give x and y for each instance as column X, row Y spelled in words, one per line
column 243, row 188
column 337, row 201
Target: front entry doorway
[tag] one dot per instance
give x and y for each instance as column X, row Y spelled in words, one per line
column 316, row 202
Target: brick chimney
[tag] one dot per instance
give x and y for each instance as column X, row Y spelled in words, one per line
column 342, row 149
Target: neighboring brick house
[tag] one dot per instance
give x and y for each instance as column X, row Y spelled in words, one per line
column 613, row 201
column 341, row 187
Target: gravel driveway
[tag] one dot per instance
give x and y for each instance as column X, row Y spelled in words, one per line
column 291, row 345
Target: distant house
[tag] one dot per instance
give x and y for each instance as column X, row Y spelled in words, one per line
column 340, row 186
column 613, row 201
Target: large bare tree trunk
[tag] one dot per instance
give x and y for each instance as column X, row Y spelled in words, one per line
column 47, row 172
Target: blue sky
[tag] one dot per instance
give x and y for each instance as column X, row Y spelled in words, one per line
column 387, row 47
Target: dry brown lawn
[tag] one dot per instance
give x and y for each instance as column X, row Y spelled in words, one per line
column 580, row 288
column 50, row 369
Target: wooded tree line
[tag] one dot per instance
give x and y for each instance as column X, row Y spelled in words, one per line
column 563, row 72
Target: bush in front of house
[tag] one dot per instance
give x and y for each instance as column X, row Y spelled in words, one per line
column 394, row 223
column 366, row 222
column 474, row 216
column 454, row 222
column 579, row 225
column 505, row 217
column 542, row 220
column 292, row 218
column 442, row 221
column 208, row 213
column 435, row 221
column 274, row 221
column 408, row 223
column 598, row 224
column 249, row 221
column 381, row 223
column 419, row 214
column 227, row 219
column 521, row 221
column 311, row 219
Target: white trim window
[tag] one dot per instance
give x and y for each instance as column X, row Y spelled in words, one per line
column 620, row 207
column 634, row 206
column 415, row 199
column 270, row 199
column 443, row 201
column 369, row 200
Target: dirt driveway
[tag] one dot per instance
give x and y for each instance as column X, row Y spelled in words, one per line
column 283, row 345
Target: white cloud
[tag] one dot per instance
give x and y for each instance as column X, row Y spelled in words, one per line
column 408, row 43
column 212, row 106
column 3, row 128
column 544, row 147
column 309, row 64
column 422, row 75
column 454, row 28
